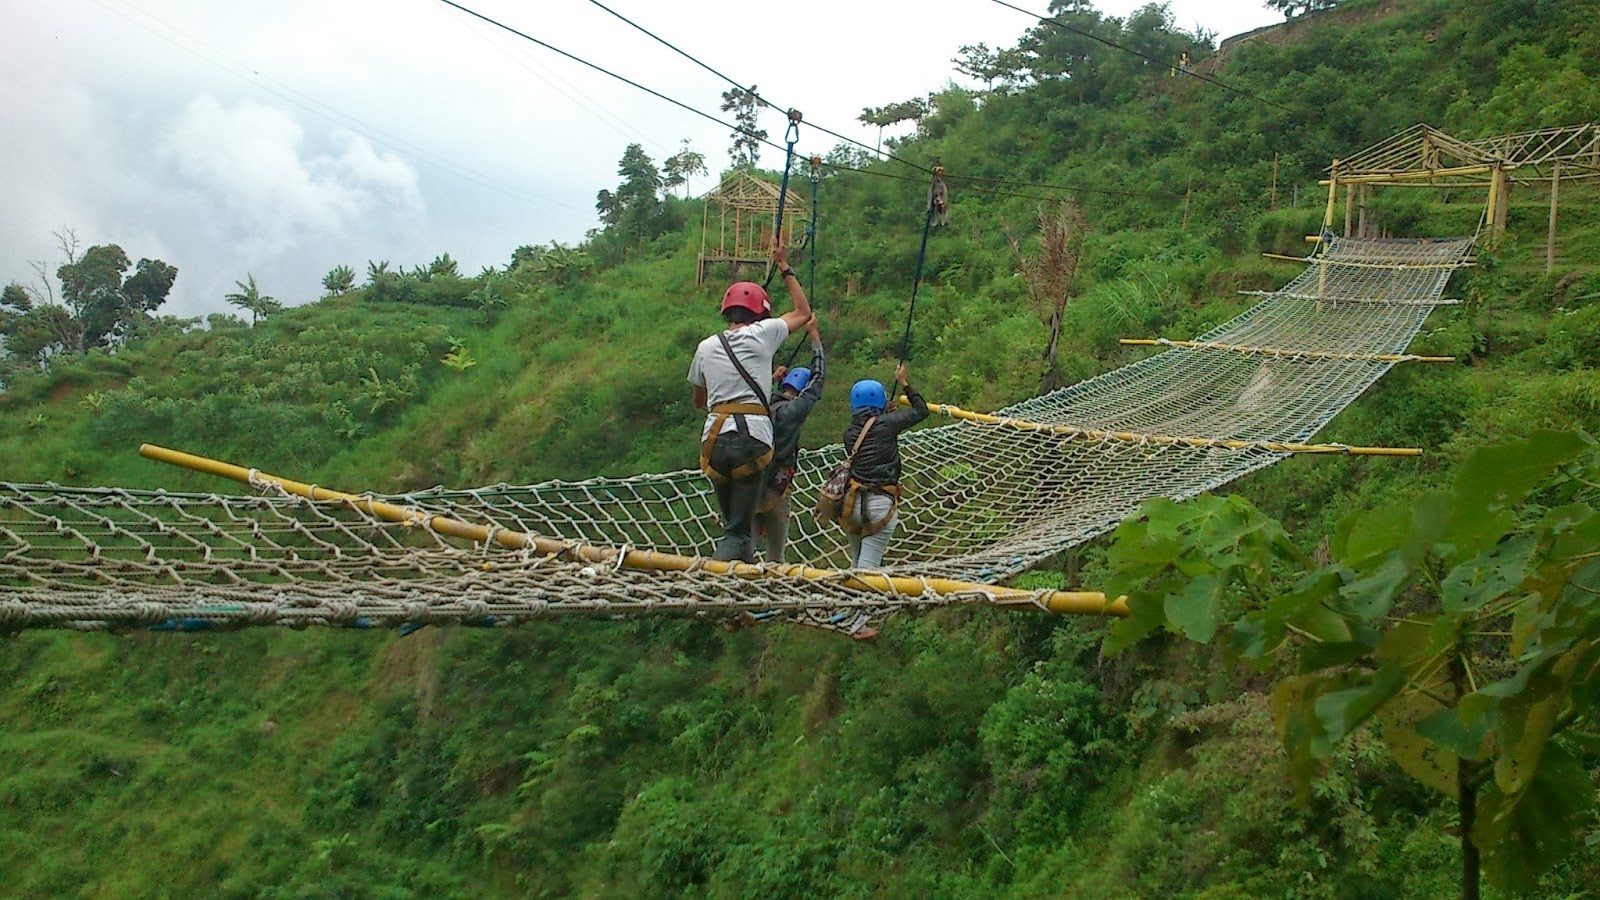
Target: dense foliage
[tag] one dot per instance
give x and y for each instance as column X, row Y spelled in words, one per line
column 965, row 753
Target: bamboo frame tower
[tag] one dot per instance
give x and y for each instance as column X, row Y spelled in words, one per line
column 1424, row 156
column 745, row 206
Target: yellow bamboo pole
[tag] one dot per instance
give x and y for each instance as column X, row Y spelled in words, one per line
column 1095, row 434
column 1333, row 200
column 1550, row 238
column 1274, row 351
column 1078, row 602
column 1320, row 298
column 1324, row 261
column 1443, row 185
column 1491, row 211
column 1426, row 175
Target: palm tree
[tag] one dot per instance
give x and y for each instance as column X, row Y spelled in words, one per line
column 250, row 297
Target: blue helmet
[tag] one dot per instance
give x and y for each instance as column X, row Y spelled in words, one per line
column 867, row 394
column 798, row 378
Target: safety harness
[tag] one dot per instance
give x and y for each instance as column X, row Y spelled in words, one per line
column 853, row 495
column 738, row 410
column 837, row 499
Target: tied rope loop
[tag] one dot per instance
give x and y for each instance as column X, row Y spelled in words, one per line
column 790, row 137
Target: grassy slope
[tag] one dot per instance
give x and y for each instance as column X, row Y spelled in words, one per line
column 967, row 753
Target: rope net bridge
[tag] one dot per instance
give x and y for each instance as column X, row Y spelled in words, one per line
column 986, row 497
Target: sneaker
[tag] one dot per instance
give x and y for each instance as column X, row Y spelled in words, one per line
column 864, row 633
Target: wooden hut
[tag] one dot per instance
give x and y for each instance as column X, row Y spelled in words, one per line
column 745, row 207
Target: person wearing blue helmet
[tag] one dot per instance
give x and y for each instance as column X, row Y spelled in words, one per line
column 794, row 400
column 871, row 506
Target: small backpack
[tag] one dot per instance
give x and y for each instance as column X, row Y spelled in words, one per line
column 830, row 499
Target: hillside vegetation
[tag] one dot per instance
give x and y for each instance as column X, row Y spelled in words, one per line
column 965, row 753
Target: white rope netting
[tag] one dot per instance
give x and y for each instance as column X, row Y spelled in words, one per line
column 982, row 501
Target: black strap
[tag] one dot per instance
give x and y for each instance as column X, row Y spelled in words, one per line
column 760, row 395
column 851, row 459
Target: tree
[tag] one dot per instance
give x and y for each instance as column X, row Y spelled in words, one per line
column 1051, row 275
column 16, row 297
column 1290, row 7
column 563, row 264
column 634, row 208
column 1464, row 625
column 610, row 211
column 978, row 61
column 249, row 297
column 845, row 156
column 894, row 113
column 339, row 280
column 104, row 305
column 525, row 255
column 147, row 288
column 488, row 297
column 443, row 266
column 745, row 104
column 33, row 335
column 683, row 165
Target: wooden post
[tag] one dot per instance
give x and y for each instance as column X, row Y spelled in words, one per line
column 1294, row 196
column 705, row 230
column 1273, row 203
column 1490, row 212
column 1349, row 208
column 1361, row 203
column 1188, row 192
column 1503, row 207
column 1333, row 197
column 1550, row 240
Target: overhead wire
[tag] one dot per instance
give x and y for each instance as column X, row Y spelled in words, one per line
column 919, row 167
column 1144, row 56
column 583, row 101
column 711, row 118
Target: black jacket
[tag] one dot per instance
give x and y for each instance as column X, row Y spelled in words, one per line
column 788, row 415
column 878, row 461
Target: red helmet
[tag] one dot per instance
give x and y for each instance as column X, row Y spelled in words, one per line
column 747, row 295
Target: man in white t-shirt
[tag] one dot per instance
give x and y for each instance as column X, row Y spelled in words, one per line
column 730, row 375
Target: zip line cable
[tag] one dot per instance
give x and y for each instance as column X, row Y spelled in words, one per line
column 1163, row 63
column 711, row 118
column 764, row 101
column 920, row 168
column 327, row 112
column 598, row 68
column 583, row 101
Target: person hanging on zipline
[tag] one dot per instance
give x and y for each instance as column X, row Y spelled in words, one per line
column 730, row 374
column 871, row 504
column 793, row 401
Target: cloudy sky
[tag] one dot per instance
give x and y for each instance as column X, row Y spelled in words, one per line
column 283, row 138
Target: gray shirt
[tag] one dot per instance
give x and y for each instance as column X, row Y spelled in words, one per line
column 755, row 345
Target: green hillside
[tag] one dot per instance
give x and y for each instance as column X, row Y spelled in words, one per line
column 965, row 753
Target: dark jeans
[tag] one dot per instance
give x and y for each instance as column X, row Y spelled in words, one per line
column 739, row 498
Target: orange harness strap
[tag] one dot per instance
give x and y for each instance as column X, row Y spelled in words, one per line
column 722, row 411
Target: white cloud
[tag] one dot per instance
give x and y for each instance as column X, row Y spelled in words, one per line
column 286, row 138
column 251, row 164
